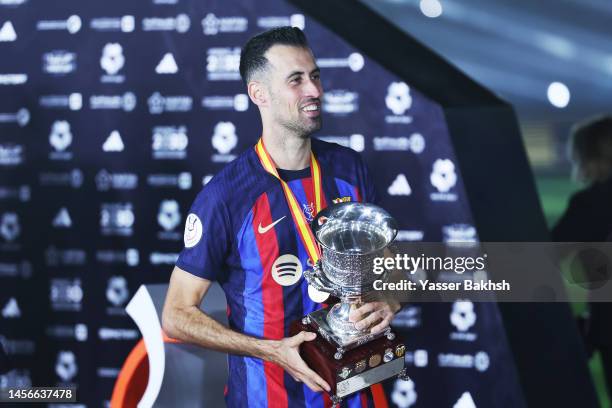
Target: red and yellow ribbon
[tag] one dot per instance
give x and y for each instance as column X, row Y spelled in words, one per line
column 298, row 216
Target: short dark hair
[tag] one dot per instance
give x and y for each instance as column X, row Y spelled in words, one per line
column 590, row 148
column 252, row 57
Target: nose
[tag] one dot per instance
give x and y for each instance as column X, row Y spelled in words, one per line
column 313, row 89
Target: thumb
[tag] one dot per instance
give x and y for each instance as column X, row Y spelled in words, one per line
column 304, row 336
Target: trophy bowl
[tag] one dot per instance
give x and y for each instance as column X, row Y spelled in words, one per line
column 351, row 235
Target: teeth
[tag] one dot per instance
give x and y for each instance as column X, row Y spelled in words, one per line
column 311, row 108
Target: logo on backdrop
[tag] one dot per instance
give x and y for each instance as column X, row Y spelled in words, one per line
column 400, row 186
column 222, row 64
column 72, row 24
column 340, row 102
column 398, row 101
column 459, row 233
column 21, row 117
column 463, row 317
column 59, row 62
column 125, row 24
column 117, row 181
column 117, row 292
column 180, row 23
column 60, row 139
column 404, row 394
column 117, row 219
column 213, row 25
column 169, row 217
column 181, row 180
column 73, row 101
column 11, row 309
column 167, row 65
column 443, row 177
column 415, row 143
column 354, row 62
column 159, row 104
column 66, row 295
column 113, row 143
column 465, row 401
column 224, row 140
column 238, row 102
column 9, row 226
column 62, row 219
column 7, row 32
column 294, row 20
column 169, row 142
column 66, row 366
column 112, row 61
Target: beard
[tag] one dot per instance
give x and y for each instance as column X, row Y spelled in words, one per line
column 301, row 126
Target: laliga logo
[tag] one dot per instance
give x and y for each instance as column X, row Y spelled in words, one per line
column 60, row 137
column 224, row 137
column 66, row 366
column 463, row 316
column 169, row 216
column 193, row 230
column 443, row 176
column 112, row 59
column 116, row 290
column 404, row 395
column 398, row 98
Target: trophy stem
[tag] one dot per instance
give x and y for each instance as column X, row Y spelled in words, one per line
column 338, row 317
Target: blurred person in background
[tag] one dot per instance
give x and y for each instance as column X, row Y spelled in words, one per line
column 588, row 218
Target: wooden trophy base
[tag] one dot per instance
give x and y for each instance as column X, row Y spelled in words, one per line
column 358, row 368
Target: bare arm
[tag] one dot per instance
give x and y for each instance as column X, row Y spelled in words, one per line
column 182, row 319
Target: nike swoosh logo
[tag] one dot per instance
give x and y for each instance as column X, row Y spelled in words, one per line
column 263, row 230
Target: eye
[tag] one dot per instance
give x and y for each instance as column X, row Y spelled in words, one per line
column 295, row 80
column 316, row 77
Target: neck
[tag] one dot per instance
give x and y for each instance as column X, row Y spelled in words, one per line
column 289, row 152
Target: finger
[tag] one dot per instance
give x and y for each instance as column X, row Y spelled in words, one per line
column 301, row 337
column 313, row 386
column 368, row 321
column 315, row 378
column 357, row 314
column 381, row 326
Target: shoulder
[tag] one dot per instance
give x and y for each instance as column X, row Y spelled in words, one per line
column 333, row 151
column 234, row 189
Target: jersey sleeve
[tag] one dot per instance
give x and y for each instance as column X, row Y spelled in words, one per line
column 206, row 237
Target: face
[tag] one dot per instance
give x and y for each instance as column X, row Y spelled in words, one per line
column 294, row 85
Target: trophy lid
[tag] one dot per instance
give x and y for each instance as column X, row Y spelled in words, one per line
column 354, row 228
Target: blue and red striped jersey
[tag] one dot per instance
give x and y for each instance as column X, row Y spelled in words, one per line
column 240, row 233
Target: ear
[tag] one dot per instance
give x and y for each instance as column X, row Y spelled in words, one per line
column 258, row 93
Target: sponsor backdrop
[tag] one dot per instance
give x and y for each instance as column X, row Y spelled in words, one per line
column 114, row 114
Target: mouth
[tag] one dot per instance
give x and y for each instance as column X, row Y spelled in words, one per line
column 312, row 110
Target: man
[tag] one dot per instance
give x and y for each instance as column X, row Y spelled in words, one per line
column 244, row 231
column 588, row 219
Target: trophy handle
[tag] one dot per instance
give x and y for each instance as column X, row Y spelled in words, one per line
column 317, row 279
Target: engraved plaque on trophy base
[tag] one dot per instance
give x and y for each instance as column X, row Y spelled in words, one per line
column 358, row 368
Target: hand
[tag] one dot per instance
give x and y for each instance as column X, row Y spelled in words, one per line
column 369, row 313
column 287, row 356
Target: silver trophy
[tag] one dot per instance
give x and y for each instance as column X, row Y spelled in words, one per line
column 350, row 236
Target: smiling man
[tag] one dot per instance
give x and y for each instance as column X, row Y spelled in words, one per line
column 243, row 231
